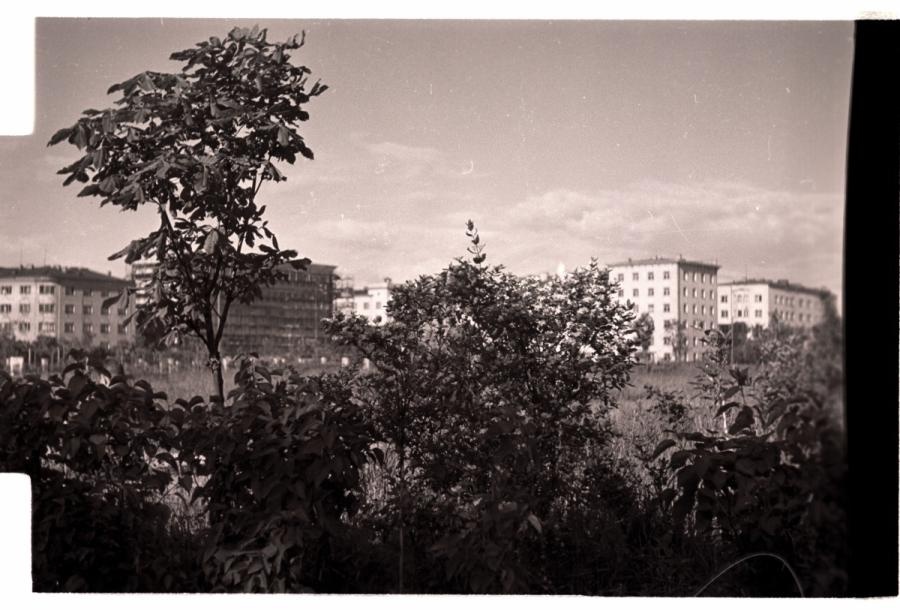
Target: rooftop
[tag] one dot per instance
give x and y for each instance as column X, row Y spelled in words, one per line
column 662, row 260
column 780, row 284
column 67, row 276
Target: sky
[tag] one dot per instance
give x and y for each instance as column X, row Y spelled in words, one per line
column 562, row 141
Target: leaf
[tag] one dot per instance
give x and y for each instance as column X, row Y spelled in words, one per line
column 59, row 136
column 743, row 420
column 535, row 523
column 667, row 443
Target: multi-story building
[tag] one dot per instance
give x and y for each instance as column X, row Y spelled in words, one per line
column 286, row 319
column 368, row 301
column 64, row 303
column 680, row 297
column 755, row 301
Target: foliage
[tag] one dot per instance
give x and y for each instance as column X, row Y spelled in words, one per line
column 643, row 330
column 198, row 145
column 90, row 449
column 676, row 333
column 281, row 464
column 771, row 478
column 489, row 389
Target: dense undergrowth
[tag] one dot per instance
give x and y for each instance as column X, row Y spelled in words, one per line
column 482, row 452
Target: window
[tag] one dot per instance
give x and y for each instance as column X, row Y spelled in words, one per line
column 366, row 305
column 684, row 291
column 757, row 298
column 121, row 311
column 5, row 325
column 723, row 298
column 123, row 329
column 5, row 308
column 104, row 293
column 46, row 307
column 24, row 327
column 694, row 341
column 5, row 289
column 24, row 308
column 693, row 309
column 87, row 310
column 104, row 329
column 694, row 277
column 69, row 327
column 694, row 292
column 635, row 275
column 649, row 275
column 684, row 308
column 650, row 307
column 667, row 341
column 700, row 324
column 621, row 277
column 649, row 292
column 47, row 327
column 70, row 291
column 723, row 313
column 621, row 293
column 104, row 311
column 87, row 328
column 377, row 305
column 635, row 292
column 703, row 310
column 703, row 278
column 666, row 307
column 87, row 292
column 665, row 275
column 24, row 289
column 758, row 313
column 665, row 291
column 45, row 289
column 70, row 308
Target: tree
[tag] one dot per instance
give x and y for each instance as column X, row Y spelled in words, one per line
column 198, row 145
column 489, row 389
column 643, row 330
column 675, row 331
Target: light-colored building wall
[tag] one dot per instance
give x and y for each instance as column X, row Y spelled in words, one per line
column 754, row 302
column 66, row 304
column 369, row 301
column 672, row 292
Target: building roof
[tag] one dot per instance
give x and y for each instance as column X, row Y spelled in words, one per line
column 780, row 284
column 66, row 276
column 661, row 260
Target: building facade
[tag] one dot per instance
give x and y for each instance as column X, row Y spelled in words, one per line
column 65, row 303
column 287, row 319
column 679, row 296
column 368, row 301
column 755, row 302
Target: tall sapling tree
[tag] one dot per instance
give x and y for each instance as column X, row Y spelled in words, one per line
column 198, row 145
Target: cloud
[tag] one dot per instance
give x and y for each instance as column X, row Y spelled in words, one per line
column 793, row 235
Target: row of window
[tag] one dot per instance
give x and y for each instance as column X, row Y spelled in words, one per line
column 703, row 294
column 742, row 313
column 694, row 340
column 781, row 299
column 50, row 289
column 25, row 308
column 688, row 276
column 694, row 309
column 742, row 298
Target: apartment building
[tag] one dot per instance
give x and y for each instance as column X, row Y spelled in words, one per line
column 680, row 297
column 62, row 302
column 755, row 301
column 368, row 301
column 286, row 319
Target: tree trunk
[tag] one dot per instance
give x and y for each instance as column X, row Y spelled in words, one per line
column 215, row 365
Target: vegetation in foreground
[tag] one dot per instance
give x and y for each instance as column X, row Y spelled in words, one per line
column 483, row 452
